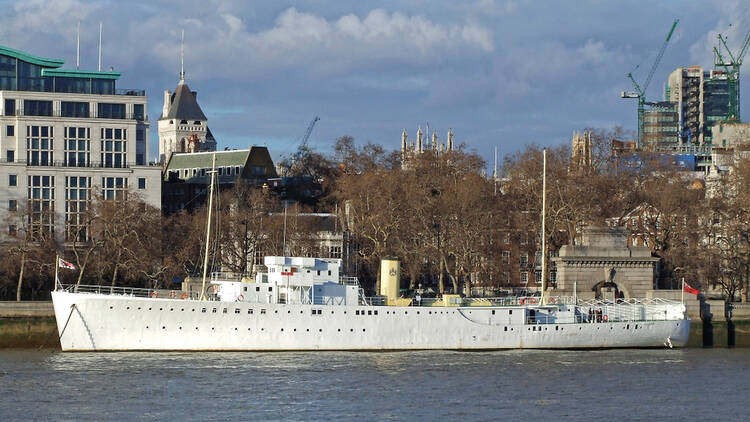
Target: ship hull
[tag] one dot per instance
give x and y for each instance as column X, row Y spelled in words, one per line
column 98, row 322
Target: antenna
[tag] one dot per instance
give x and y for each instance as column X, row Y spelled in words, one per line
column 78, row 45
column 100, row 46
column 182, row 57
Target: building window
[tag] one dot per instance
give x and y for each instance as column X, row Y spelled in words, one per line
column 74, row 109
column 524, row 258
column 138, row 113
column 114, row 188
column 10, row 155
column 12, row 205
column 506, row 238
column 506, row 278
column 114, row 147
column 41, row 197
column 12, row 180
column 141, row 183
column 12, row 230
column 524, row 277
column 10, row 107
column 77, row 146
column 538, row 277
column 77, row 197
column 10, row 130
column 39, row 145
column 506, row 257
column 334, row 252
column 37, row 108
column 111, row 111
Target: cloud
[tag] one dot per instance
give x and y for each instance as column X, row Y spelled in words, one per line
column 317, row 44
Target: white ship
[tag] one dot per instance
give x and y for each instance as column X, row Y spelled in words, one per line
column 304, row 304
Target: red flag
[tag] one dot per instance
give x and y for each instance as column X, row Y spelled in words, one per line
column 689, row 289
column 65, row 264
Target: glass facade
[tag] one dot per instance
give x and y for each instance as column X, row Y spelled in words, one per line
column 18, row 75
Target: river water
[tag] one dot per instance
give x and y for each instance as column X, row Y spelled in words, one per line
column 687, row 384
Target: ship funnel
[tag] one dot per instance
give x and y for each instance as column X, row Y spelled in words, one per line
column 390, row 275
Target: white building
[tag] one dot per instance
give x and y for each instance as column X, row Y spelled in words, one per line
column 182, row 124
column 65, row 134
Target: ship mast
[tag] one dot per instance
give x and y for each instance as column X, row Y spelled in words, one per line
column 208, row 224
column 544, row 233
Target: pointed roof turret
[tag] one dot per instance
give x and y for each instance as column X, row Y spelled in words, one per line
column 183, row 105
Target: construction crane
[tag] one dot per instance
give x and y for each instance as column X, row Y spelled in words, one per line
column 732, row 67
column 302, row 147
column 640, row 91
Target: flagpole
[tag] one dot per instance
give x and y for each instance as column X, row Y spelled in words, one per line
column 57, row 266
column 682, row 294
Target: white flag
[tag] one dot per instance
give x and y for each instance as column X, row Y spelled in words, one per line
column 65, row 264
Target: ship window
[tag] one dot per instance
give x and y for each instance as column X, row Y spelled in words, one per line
column 110, row 307
column 213, row 311
column 262, row 311
column 270, row 288
column 329, row 272
column 510, row 312
column 493, row 312
column 506, row 328
column 351, row 329
column 369, row 312
column 203, row 310
column 356, row 312
column 320, row 330
column 257, row 289
column 237, row 310
column 557, row 328
column 318, row 272
column 313, row 312
column 417, row 312
column 627, row 327
column 376, row 312
column 245, row 288
column 224, row 311
column 282, row 329
column 249, row 311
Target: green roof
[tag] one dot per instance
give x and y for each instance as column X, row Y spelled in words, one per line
column 31, row 59
column 204, row 159
column 81, row 73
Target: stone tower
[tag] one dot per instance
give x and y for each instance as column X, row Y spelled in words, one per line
column 182, row 124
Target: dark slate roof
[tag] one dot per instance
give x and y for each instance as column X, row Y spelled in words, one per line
column 183, row 105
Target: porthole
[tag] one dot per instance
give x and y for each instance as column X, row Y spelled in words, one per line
column 196, row 328
column 351, row 330
column 307, row 329
column 320, row 330
column 282, row 329
column 506, row 328
column 339, row 330
column 180, row 328
column 147, row 327
column 149, row 309
column 163, row 327
column 363, row 330
column 139, row 308
column 182, row 309
column 171, row 309
column 212, row 329
column 161, row 309
column 110, row 307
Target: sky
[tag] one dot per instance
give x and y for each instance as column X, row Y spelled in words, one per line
column 501, row 73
